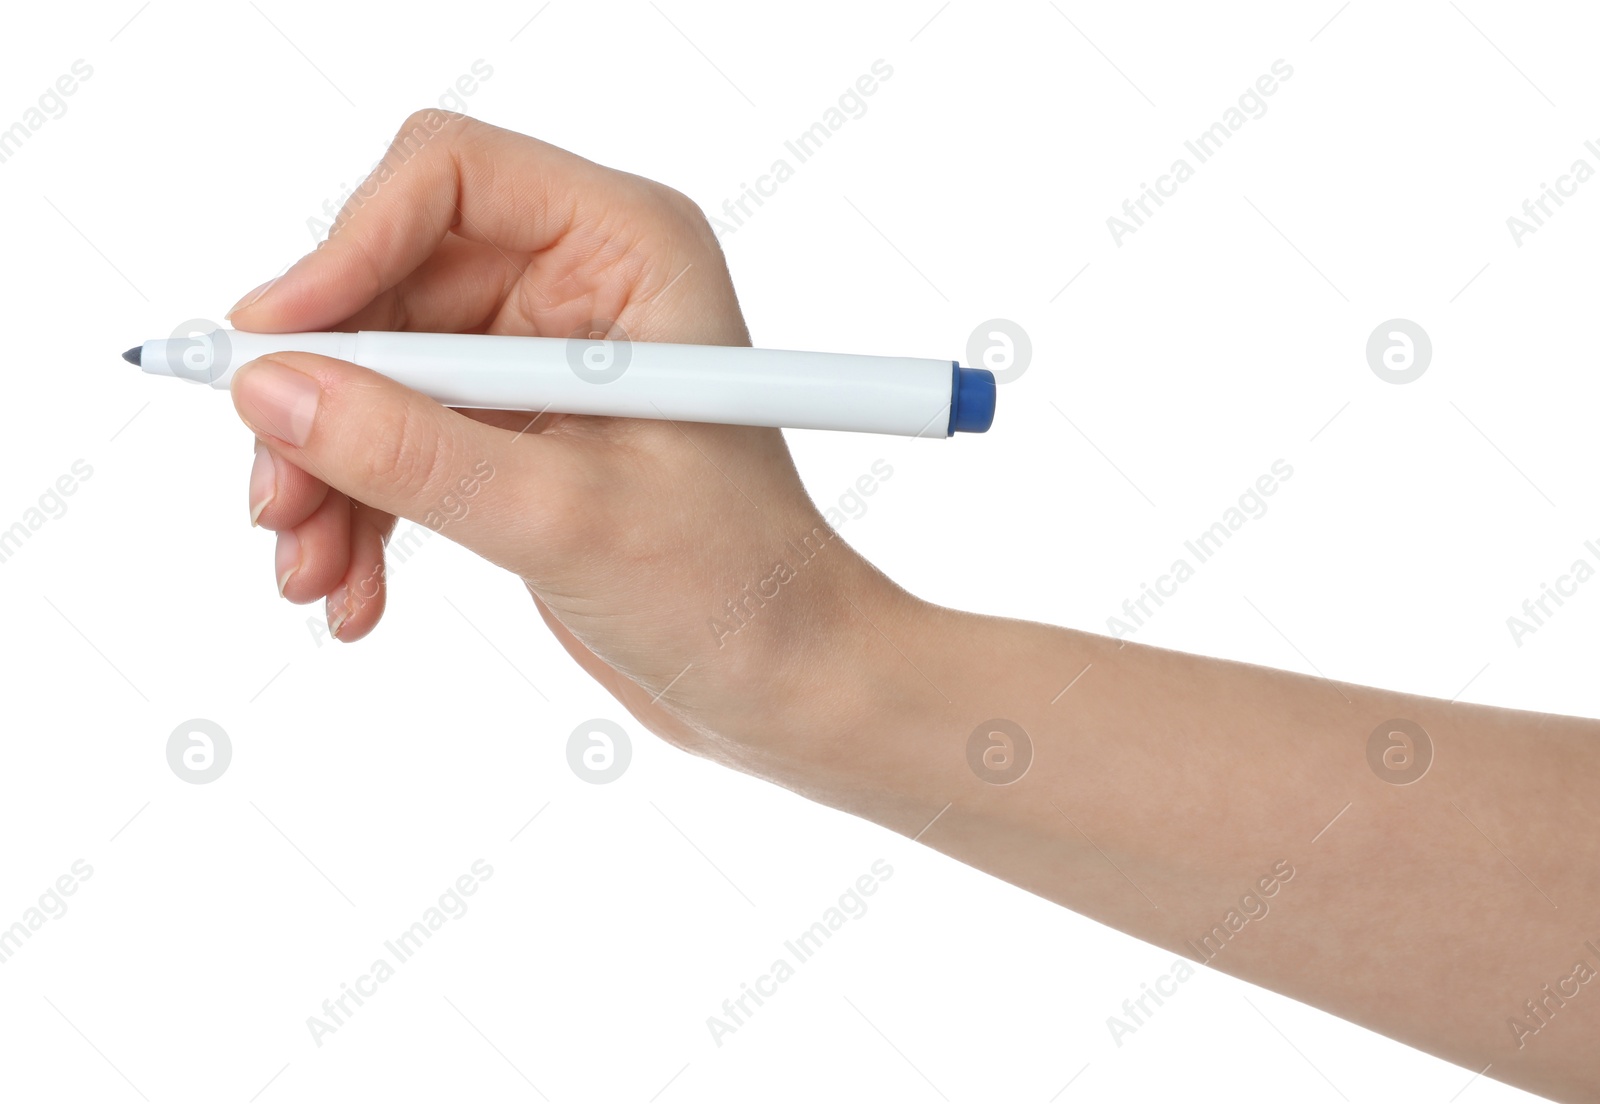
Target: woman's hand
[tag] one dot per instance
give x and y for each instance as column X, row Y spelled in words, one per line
column 1162, row 793
column 682, row 565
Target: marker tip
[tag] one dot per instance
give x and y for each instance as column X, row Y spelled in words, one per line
column 132, row 355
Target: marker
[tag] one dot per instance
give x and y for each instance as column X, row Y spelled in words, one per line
column 909, row 396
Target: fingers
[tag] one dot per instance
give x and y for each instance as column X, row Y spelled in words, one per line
column 456, row 290
column 355, row 606
column 382, row 444
column 281, row 495
column 442, row 172
column 329, row 546
column 314, row 555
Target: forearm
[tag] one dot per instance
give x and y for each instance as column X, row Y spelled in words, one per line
column 1229, row 813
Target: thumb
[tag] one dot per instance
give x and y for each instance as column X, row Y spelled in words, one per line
column 399, row 451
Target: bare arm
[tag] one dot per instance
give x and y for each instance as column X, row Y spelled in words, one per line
column 1236, row 816
column 1174, row 797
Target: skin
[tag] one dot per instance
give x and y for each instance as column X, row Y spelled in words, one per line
column 1170, row 796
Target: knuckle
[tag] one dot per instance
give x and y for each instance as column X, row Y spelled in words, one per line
column 679, row 204
column 427, row 120
column 569, row 520
column 422, row 127
column 688, row 216
column 403, row 453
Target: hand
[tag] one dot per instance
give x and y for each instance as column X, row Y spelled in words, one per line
column 1145, row 775
column 652, row 548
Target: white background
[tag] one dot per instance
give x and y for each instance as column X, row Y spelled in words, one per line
column 1225, row 334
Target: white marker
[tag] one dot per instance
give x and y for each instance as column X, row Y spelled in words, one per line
column 734, row 385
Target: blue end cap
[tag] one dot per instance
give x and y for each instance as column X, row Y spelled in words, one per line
column 971, row 400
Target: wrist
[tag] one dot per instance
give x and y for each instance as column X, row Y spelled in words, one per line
column 896, row 729
column 860, row 721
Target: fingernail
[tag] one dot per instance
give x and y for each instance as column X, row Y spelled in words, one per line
column 338, row 610
column 263, row 482
column 287, row 560
column 277, row 400
column 251, row 297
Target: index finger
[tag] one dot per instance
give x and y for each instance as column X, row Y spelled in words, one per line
column 443, row 172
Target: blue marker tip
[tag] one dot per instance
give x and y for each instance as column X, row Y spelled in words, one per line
column 971, row 400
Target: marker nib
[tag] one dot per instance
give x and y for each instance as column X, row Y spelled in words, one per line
column 132, row 355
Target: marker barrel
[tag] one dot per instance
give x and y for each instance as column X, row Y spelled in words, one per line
column 734, row 385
